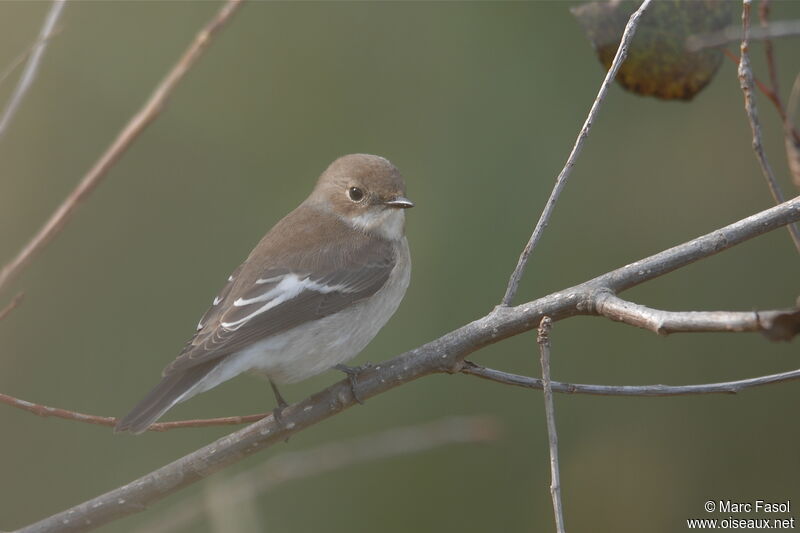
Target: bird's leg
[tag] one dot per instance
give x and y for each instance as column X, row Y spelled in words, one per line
column 276, row 413
column 352, row 375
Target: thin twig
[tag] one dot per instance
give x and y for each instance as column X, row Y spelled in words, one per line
column 732, row 34
column 794, row 98
column 746, row 83
column 772, row 67
column 110, row 421
column 769, row 52
column 32, row 67
column 543, row 339
column 4, row 312
column 11, row 67
column 443, row 355
column 561, row 180
column 726, row 387
column 330, row 457
column 149, row 112
column 774, row 324
column 791, row 136
column 766, row 91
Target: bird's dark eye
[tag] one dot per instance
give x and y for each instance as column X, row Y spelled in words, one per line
column 355, row 194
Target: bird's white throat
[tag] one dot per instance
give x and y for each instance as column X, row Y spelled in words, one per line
column 387, row 222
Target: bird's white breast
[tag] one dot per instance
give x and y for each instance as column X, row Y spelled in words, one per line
column 317, row 346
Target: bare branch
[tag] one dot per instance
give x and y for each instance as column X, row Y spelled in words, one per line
column 791, row 135
column 794, row 98
column 443, row 355
column 774, row 324
column 731, row 34
column 149, row 112
column 332, row 456
column 32, row 67
column 561, row 180
column 726, row 387
column 25, row 55
column 543, row 339
column 712, row 243
column 4, row 312
column 746, row 83
column 110, row 421
column 791, row 138
column 772, row 67
column 766, row 91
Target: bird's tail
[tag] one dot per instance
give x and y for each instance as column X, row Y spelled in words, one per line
column 171, row 390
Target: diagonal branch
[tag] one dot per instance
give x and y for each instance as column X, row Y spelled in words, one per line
column 791, row 137
column 147, row 114
column 746, row 82
column 5, row 311
column 774, row 324
column 443, row 355
column 772, row 67
column 709, row 244
column 32, row 67
column 726, row 387
column 561, row 180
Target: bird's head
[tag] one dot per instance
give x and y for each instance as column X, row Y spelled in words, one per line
column 366, row 191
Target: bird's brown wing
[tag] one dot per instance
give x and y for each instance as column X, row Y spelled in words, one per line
column 301, row 288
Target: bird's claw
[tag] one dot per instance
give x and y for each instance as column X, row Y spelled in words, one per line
column 352, row 376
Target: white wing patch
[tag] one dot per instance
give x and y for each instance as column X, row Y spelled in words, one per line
column 262, row 281
column 289, row 287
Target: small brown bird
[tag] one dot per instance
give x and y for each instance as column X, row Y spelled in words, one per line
column 310, row 296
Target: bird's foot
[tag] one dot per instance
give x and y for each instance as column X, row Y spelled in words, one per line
column 352, row 375
column 276, row 412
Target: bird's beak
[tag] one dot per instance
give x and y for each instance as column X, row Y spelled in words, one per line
column 400, row 202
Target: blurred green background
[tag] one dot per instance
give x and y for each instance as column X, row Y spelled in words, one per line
column 478, row 104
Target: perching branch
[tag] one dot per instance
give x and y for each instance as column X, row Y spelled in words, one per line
column 147, row 114
column 563, row 176
column 32, row 67
column 443, row 355
column 292, row 466
column 746, row 83
column 775, row 324
column 543, row 339
column 727, row 387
